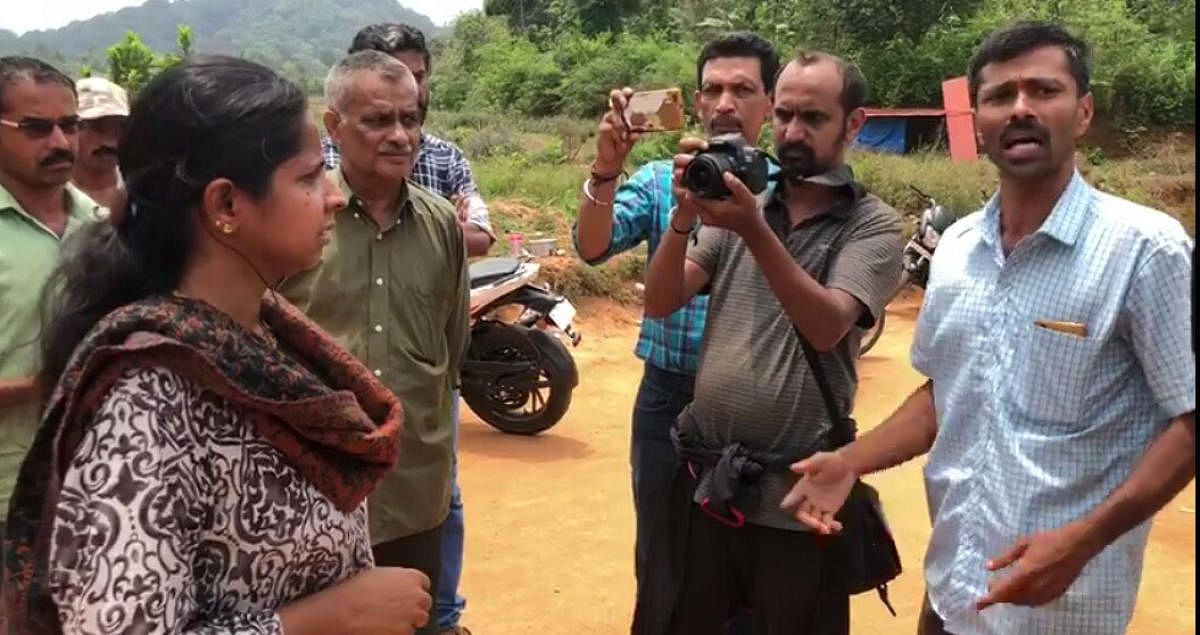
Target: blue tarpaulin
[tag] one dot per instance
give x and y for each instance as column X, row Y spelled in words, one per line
column 883, row 134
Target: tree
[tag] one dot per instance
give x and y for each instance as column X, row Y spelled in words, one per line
column 131, row 63
column 185, row 39
column 874, row 21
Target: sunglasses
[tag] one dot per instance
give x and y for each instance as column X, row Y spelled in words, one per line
column 38, row 128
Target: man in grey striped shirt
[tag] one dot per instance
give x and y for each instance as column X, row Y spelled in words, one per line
column 821, row 258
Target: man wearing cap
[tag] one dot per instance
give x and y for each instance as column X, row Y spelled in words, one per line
column 103, row 110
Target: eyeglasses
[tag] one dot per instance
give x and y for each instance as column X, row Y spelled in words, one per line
column 38, row 127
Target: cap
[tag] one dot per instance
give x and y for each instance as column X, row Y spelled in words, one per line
column 99, row 97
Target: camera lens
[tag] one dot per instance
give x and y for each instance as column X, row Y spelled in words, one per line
column 703, row 175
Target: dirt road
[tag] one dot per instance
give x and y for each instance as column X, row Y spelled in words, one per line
column 550, row 519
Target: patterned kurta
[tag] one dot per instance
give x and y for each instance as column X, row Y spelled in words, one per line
column 177, row 516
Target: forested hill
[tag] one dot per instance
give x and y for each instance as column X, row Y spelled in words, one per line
column 299, row 37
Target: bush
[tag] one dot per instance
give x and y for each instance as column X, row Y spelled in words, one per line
column 962, row 187
column 518, row 79
column 1143, row 57
column 489, row 142
column 641, row 63
column 1156, row 84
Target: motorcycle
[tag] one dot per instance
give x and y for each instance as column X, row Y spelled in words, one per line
column 918, row 253
column 518, row 374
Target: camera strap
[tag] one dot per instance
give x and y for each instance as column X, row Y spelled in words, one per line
column 842, row 427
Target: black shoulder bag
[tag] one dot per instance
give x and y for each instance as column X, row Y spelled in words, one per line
column 866, row 553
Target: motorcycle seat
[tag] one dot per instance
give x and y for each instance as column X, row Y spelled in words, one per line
column 489, row 270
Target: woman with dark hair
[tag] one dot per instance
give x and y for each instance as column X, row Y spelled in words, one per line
column 206, row 451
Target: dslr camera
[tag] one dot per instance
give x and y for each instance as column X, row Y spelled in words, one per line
column 726, row 153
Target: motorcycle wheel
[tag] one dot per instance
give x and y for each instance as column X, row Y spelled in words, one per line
column 871, row 336
column 516, row 405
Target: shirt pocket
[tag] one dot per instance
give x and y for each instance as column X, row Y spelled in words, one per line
column 1054, row 375
column 421, row 310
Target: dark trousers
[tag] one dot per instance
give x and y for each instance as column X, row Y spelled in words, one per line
column 930, row 622
column 421, row 551
column 782, row 576
column 660, row 398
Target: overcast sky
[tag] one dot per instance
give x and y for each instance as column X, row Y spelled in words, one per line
column 22, row 15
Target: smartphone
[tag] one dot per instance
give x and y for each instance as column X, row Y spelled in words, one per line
column 655, row 111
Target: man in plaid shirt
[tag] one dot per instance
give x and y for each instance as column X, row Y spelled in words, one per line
column 1060, row 411
column 441, row 168
column 736, row 78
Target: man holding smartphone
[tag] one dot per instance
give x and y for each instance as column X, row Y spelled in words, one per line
column 736, row 78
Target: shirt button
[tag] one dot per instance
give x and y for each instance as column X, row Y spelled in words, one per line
column 378, row 373
column 356, row 214
column 378, row 328
column 379, row 282
column 379, row 236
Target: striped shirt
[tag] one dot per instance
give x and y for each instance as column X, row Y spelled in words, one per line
column 641, row 211
column 1037, row 427
column 755, row 387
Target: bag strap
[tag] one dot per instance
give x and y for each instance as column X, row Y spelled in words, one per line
column 842, row 431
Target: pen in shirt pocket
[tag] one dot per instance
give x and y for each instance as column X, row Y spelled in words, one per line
column 1078, row 329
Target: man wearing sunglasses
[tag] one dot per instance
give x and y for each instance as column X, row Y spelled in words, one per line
column 39, row 130
column 103, row 111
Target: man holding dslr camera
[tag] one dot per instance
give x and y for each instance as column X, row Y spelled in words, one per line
column 820, row 260
column 736, row 77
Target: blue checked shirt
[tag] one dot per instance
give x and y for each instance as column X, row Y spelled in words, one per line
column 1037, row 427
column 441, row 168
column 641, row 211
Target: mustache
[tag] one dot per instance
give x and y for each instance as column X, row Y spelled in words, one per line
column 105, row 150
column 57, row 156
column 795, row 150
column 724, row 121
column 1024, row 129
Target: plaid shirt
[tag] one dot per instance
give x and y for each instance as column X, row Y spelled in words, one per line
column 1037, row 427
column 441, row 168
column 641, row 212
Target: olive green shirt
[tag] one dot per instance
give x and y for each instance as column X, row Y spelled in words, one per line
column 29, row 251
column 397, row 298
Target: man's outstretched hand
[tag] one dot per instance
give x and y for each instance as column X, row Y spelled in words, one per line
column 825, row 483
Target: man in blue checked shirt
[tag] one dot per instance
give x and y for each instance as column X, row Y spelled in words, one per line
column 1059, row 415
column 736, row 78
column 441, row 168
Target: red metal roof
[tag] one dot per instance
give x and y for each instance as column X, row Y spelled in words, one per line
column 905, row 112
column 908, row 112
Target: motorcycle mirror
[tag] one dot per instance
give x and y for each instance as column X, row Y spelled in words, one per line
column 941, row 219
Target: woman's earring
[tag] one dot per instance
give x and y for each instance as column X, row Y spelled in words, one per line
column 227, row 228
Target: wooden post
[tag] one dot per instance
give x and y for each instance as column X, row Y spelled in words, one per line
column 960, row 119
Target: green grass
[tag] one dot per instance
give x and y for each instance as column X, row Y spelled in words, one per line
column 553, row 188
